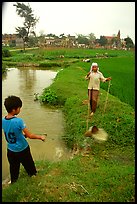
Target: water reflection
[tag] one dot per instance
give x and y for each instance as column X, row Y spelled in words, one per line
column 24, row 82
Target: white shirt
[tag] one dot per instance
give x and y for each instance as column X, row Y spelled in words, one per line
column 94, row 80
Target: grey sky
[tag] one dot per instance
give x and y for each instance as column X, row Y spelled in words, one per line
column 100, row 18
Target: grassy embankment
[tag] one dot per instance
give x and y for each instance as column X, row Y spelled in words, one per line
column 107, row 173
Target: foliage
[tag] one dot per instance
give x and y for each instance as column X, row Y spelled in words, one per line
column 49, row 97
column 81, row 39
column 6, row 53
column 3, row 68
column 30, row 21
column 92, row 39
column 129, row 42
column 102, row 41
column 115, row 41
column 33, row 41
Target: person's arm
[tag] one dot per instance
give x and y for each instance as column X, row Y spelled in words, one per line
column 87, row 76
column 108, row 79
column 103, row 79
column 33, row 136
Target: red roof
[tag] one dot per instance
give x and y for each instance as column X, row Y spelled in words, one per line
column 109, row 37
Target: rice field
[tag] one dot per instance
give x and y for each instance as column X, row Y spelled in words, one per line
column 119, row 64
column 122, row 71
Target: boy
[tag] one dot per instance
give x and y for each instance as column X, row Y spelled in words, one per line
column 18, row 150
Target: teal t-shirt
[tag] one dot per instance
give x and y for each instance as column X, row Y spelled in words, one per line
column 12, row 128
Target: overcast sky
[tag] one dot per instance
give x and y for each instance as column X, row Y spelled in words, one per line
column 100, row 18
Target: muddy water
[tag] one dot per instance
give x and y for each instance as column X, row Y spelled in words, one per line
column 24, row 82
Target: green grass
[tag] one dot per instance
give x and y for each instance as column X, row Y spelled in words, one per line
column 107, row 173
column 122, row 71
column 119, row 64
column 71, row 86
column 82, row 179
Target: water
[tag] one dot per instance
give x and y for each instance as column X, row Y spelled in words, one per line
column 24, row 82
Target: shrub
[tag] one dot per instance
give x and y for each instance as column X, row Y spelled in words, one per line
column 49, row 97
column 3, row 68
column 6, row 53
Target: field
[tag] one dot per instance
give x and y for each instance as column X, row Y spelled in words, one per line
column 119, row 64
column 107, row 172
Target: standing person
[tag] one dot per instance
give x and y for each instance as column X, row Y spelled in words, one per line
column 18, row 150
column 94, row 76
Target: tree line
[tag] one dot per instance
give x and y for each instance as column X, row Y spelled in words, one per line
column 28, row 35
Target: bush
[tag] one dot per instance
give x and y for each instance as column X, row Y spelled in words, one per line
column 3, row 68
column 6, row 53
column 49, row 97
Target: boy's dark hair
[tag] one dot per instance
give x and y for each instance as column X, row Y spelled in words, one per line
column 12, row 102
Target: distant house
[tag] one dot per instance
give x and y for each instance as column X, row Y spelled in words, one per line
column 109, row 38
column 63, row 41
column 8, row 38
column 114, row 41
column 19, row 42
column 49, row 41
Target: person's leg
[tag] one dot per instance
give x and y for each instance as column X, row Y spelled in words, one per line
column 95, row 94
column 27, row 161
column 90, row 97
column 14, row 165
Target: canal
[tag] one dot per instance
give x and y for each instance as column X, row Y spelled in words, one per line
column 24, row 82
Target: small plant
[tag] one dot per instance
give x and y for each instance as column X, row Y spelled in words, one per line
column 6, row 53
column 49, row 96
column 3, row 68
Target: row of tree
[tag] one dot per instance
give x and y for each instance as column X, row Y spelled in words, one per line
column 28, row 35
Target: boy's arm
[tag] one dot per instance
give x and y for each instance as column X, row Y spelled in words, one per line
column 33, row 136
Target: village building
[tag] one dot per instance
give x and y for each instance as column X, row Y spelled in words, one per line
column 8, row 38
column 113, row 42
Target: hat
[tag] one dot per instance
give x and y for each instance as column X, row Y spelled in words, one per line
column 94, row 129
column 98, row 134
column 94, row 64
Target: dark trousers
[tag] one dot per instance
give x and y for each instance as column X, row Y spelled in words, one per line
column 93, row 98
column 16, row 158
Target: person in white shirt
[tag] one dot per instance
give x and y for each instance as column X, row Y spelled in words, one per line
column 94, row 76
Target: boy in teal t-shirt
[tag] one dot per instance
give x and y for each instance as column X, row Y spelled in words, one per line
column 18, row 150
